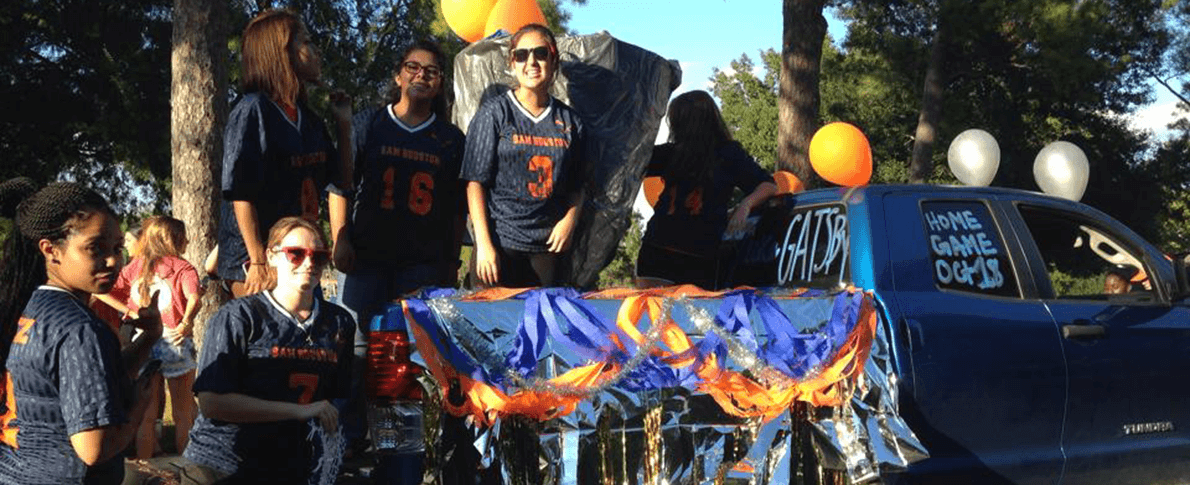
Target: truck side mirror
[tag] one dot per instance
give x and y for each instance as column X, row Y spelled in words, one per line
column 1180, row 263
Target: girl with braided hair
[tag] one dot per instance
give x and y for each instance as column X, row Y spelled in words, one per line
column 70, row 403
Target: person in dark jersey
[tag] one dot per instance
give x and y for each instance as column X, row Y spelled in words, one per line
column 269, row 364
column 701, row 167
column 404, row 228
column 70, row 403
column 523, row 164
column 277, row 155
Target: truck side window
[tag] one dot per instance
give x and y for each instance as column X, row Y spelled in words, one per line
column 1086, row 261
column 966, row 249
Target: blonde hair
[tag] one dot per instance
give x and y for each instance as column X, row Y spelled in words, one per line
column 267, row 54
column 281, row 229
column 160, row 237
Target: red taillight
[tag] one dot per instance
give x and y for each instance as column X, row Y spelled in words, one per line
column 391, row 375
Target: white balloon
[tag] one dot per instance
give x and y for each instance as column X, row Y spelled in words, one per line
column 974, row 157
column 1061, row 169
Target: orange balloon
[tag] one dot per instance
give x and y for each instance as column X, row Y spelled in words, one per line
column 511, row 15
column 467, row 18
column 654, row 186
column 840, row 153
column 788, row 183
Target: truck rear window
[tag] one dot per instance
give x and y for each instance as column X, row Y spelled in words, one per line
column 966, row 249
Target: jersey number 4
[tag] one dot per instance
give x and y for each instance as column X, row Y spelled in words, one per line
column 421, row 192
column 543, row 166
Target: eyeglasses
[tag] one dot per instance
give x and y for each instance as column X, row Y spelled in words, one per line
column 430, row 72
column 541, row 52
column 296, row 255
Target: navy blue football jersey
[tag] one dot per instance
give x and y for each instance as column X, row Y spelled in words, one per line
column 255, row 348
column 280, row 165
column 530, row 165
column 407, row 193
column 690, row 218
column 64, row 376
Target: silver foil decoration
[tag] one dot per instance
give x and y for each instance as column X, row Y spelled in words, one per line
column 604, row 441
column 331, row 445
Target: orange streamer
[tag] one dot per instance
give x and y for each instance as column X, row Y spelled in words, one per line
column 738, row 394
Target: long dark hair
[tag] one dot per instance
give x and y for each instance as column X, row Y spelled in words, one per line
column 696, row 129
column 267, row 53
column 440, row 105
column 52, row 213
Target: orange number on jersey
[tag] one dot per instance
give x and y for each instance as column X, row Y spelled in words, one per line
column 307, row 382
column 24, row 325
column 9, row 436
column 543, row 166
column 694, row 202
column 673, row 196
column 386, row 200
column 309, row 200
column 421, row 195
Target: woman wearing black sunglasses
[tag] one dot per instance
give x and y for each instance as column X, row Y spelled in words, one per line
column 269, row 364
column 523, row 167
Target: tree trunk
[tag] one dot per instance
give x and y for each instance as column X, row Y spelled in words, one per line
column 797, row 103
column 198, row 97
column 922, row 163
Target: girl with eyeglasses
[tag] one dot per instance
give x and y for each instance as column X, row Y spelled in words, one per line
column 523, row 164
column 403, row 229
column 277, row 155
column 269, row 364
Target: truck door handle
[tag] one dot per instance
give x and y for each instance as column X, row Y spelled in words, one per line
column 913, row 334
column 1083, row 329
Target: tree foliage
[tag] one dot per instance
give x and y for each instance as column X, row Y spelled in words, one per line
column 86, row 90
column 1028, row 72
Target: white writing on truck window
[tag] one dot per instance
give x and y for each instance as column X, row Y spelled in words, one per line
column 965, row 251
column 815, row 245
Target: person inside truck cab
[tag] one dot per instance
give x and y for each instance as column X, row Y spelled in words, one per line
column 1116, row 284
column 701, row 167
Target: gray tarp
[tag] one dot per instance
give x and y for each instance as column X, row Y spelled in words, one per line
column 621, row 92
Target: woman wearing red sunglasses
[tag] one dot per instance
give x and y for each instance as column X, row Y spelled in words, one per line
column 270, row 363
column 523, row 166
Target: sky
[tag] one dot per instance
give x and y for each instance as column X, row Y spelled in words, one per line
column 706, row 34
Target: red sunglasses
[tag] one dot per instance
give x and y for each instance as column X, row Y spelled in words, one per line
column 297, row 254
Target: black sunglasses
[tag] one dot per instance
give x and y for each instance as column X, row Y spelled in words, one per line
column 298, row 254
column 542, row 53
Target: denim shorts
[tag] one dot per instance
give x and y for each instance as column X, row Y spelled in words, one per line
column 175, row 360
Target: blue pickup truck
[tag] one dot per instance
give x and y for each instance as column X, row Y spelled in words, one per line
column 1037, row 340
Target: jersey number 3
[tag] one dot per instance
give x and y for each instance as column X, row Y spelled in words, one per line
column 421, row 192
column 543, row 166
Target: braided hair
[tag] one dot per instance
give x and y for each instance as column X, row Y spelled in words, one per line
column 52, row 213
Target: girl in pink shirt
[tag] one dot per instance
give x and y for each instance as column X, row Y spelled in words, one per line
column 158, row 267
